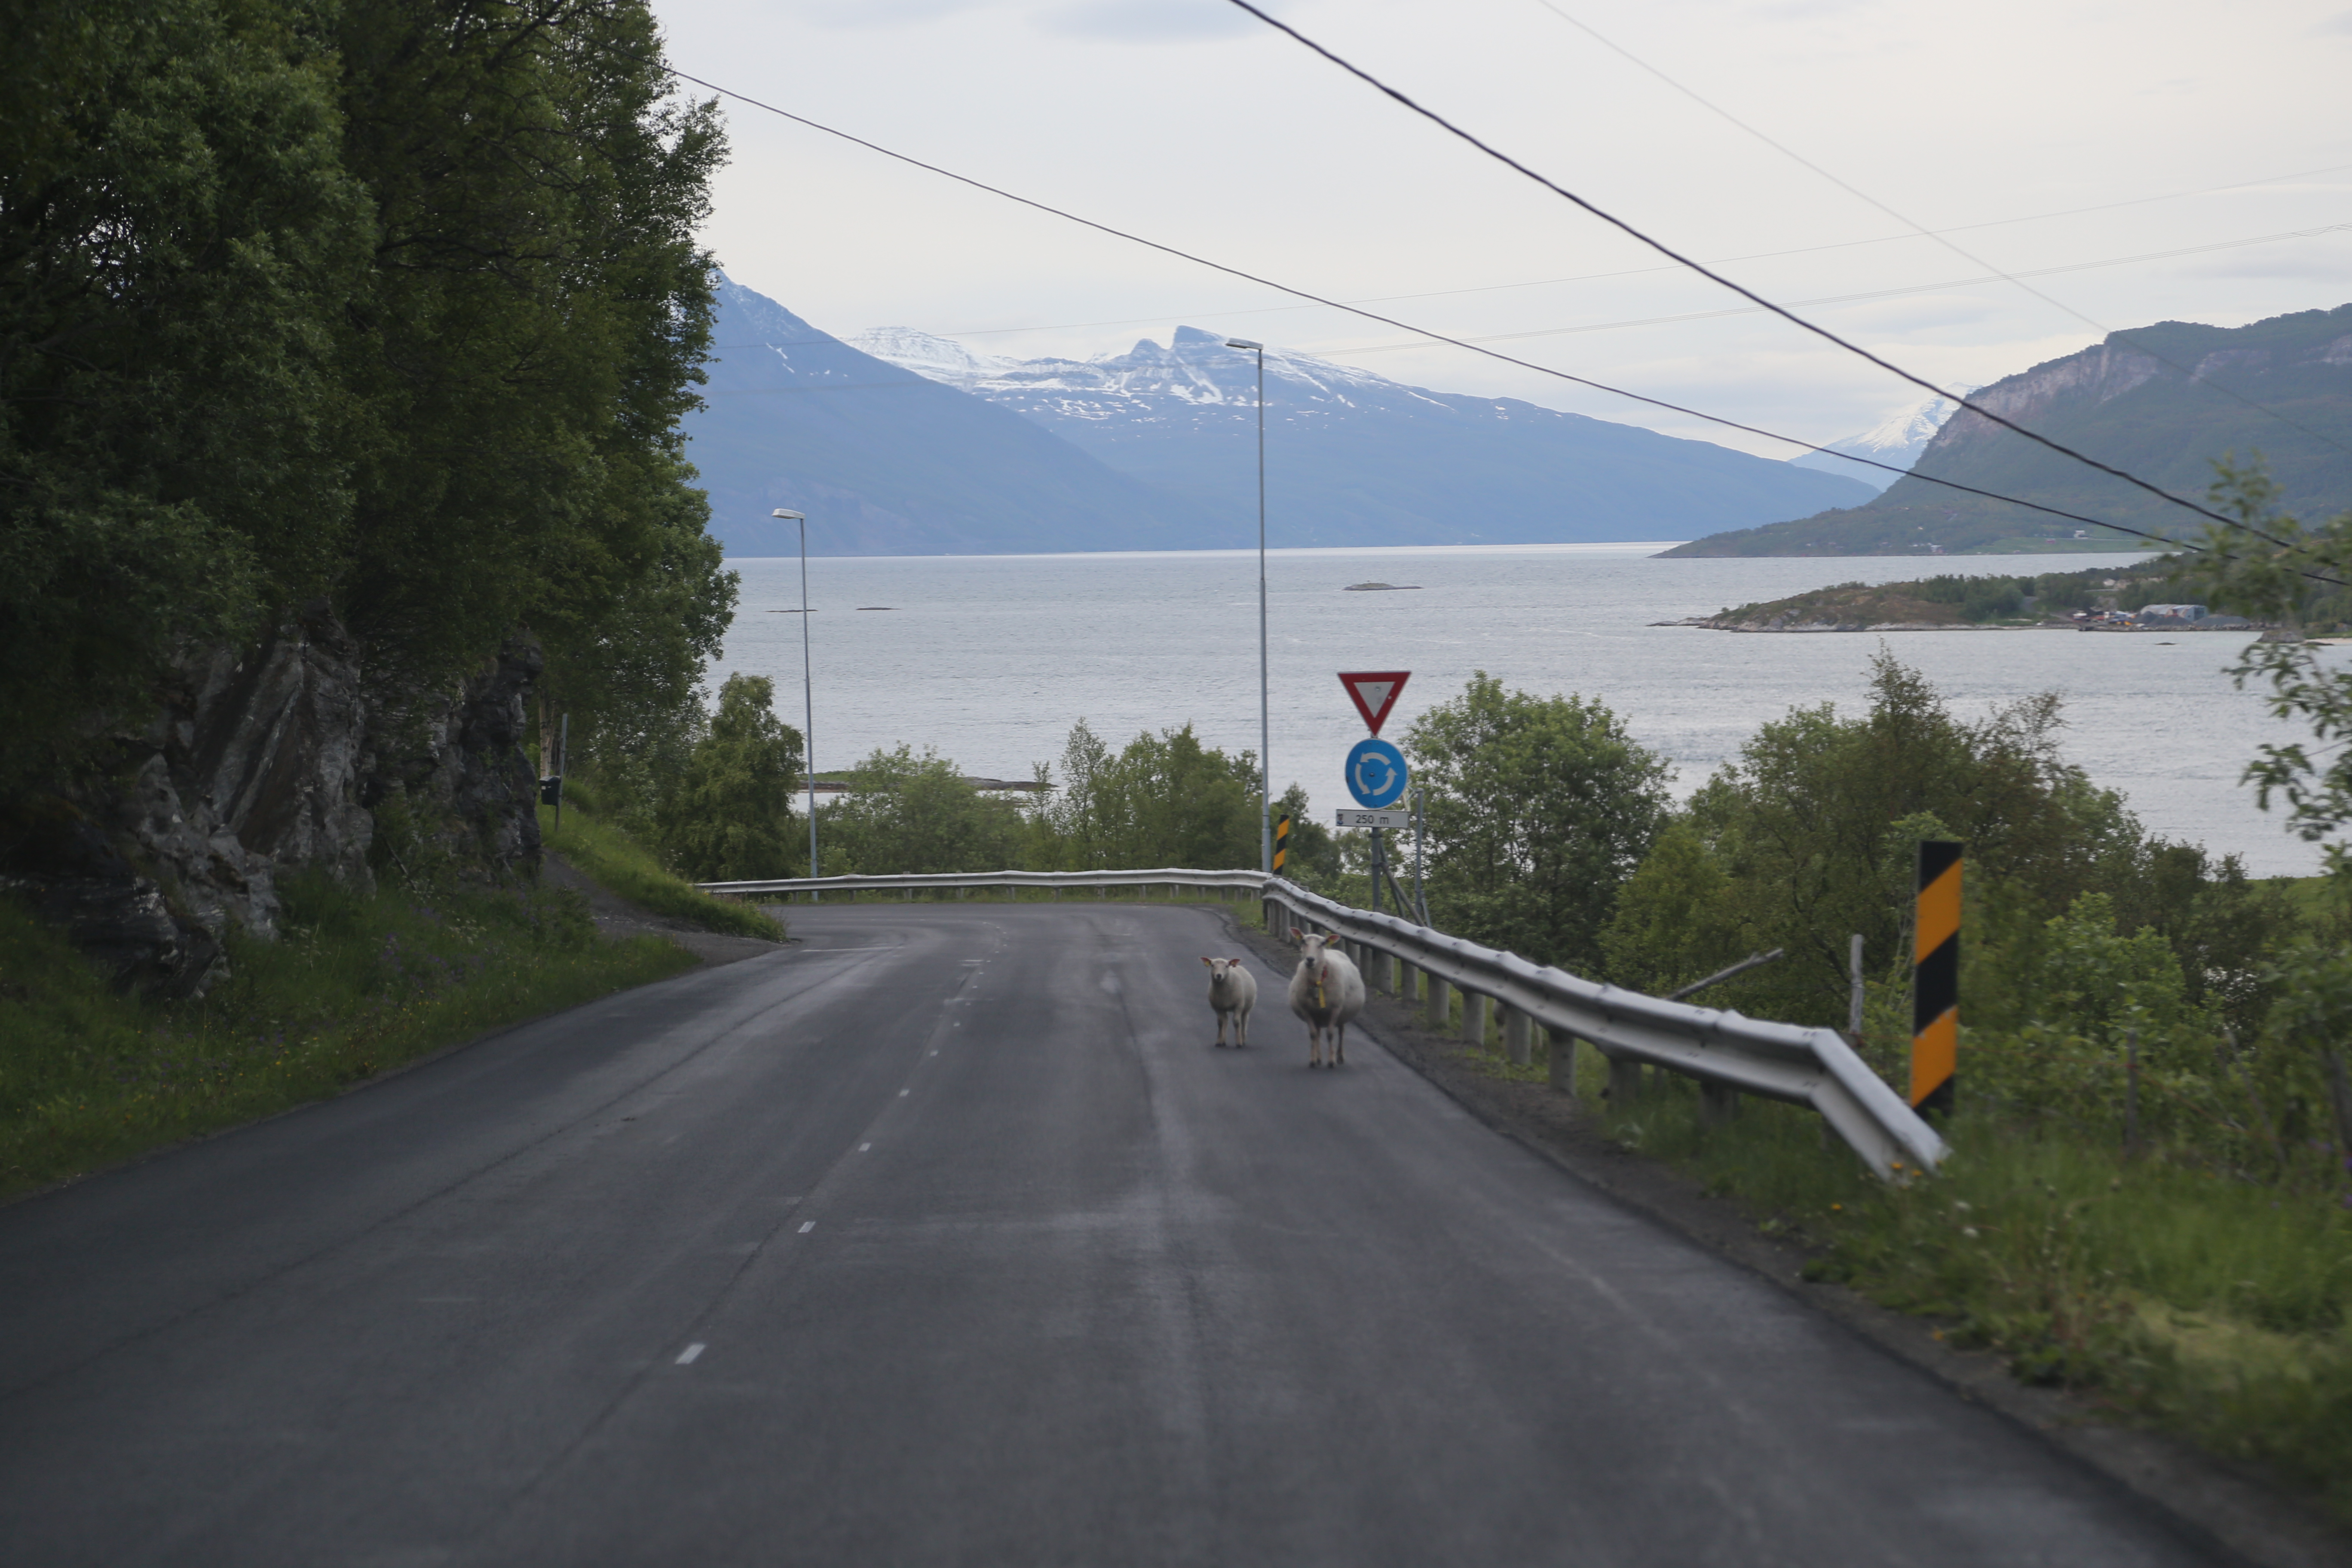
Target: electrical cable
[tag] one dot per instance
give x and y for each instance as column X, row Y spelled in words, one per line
column 2015, row 279
column 1611, row 326
column 1220, row 312
column 1497, row 354
column 1739, row 289
column 1912, row 289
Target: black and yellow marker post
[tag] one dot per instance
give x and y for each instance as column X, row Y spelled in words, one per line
column 1281, row 842
column 1935, row 976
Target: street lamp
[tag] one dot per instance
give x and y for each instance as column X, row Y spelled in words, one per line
column 1264, row 720
column 808, row 694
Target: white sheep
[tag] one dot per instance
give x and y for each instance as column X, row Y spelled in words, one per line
column 1232, row 992
column 1327, row 991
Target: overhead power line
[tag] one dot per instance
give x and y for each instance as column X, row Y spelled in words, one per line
column 2015, row 279
column 1906, row 288
column 1718, row 419
column 1221, row 312
column 1613, row 326
column 1741, row 289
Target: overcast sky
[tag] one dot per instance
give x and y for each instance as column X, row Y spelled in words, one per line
column 1188, row 121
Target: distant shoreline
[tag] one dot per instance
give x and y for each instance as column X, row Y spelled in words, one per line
column 1637, row 547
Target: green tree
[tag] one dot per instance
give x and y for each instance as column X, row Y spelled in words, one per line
column 1313, row 859
column 2293, row 576
column 177, row 239
column 396, row 303
column 1539, row 808
column 731, row 817
column 1676, row 919
column 1163, row 800
column 905, row 813
column 1816, row 822
column 529, row 334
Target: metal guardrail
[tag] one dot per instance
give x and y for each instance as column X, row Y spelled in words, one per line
column 1808, row 1066
column 1171, row 877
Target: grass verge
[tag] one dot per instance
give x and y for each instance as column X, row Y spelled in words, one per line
column 603, row 852
column 357, row 984
column 2204, row 1305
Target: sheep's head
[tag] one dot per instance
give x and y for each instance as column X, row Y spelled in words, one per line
column 1220, row 967
column 1312, row 948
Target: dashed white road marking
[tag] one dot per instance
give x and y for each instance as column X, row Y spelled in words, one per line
column 685, row 1357
column 807, row 1226
column 861, row 1148
column 904, row 1092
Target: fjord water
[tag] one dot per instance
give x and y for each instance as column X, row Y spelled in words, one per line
column 991, row 659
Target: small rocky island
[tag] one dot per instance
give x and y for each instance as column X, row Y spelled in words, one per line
column 2069, row 600
column 1382, row 588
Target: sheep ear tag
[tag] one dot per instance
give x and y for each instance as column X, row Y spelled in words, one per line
column 1374, row 692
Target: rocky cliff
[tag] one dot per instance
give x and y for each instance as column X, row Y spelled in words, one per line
column 2163, row 402
column 259, row 763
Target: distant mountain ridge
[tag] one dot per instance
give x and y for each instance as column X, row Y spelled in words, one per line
column 1896, row 440
column 1357, row 458
column 2161, row 401
column 887, row 462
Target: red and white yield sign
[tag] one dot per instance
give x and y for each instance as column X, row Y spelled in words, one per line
column 1374, row 692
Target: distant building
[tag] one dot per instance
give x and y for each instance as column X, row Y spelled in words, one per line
column 2177, row 614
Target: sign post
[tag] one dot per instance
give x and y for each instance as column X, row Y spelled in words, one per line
column 1376, row 772
column 1935, row 976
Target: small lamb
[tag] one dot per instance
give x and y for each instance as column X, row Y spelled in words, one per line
column 1232, row 991
column 1327, row 991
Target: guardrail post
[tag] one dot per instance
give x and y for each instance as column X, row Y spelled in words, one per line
column 1407, row 989
column 1718, row 1103
column 1625, row 1081
column 1437, row 1008
column 1562, row 1050
column 1516, row 1048
column 1473, row 1018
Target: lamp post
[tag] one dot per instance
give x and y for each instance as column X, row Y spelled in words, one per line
column 808, row 694
column 1264, row 720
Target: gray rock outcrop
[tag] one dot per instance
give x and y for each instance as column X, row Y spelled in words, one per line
column 451, row 775
column 266, row 762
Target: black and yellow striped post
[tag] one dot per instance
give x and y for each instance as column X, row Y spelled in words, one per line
column 1281, row 842
column 1935, row 976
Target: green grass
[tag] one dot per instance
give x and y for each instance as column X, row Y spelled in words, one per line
column 611, row 858
column 2198, row 1302
column 355, row 987
column 1244, row 909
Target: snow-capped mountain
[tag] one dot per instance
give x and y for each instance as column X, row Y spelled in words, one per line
column 1354, row 458
column 886, row 462
column 1897, row 440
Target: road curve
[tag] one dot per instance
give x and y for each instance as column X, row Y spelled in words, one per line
column 946, row 1237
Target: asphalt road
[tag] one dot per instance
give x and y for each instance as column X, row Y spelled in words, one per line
column 946, row 1237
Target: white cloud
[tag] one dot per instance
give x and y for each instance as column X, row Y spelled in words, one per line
column 1146, row 21
column 1186, row 122
column 881, row 14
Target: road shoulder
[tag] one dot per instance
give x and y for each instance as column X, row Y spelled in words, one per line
column 617, row 917
column 2238, row 1508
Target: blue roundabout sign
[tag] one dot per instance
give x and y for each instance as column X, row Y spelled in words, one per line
column 1376, row 774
